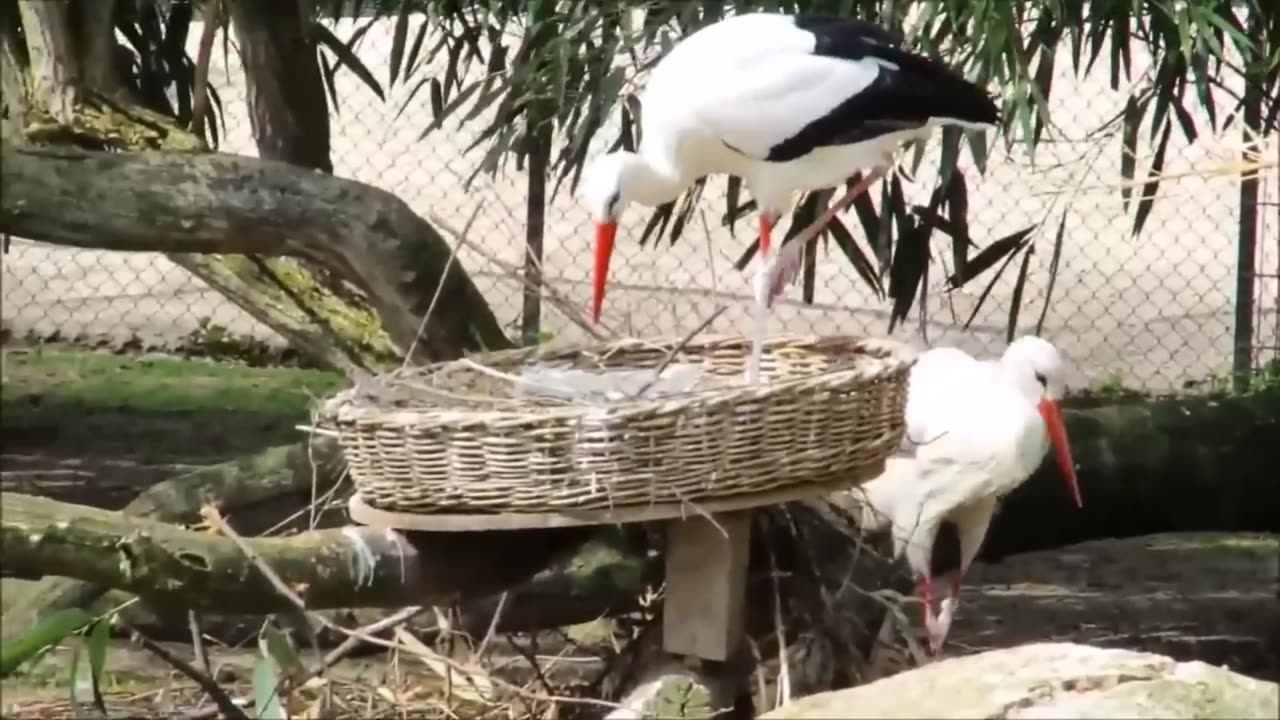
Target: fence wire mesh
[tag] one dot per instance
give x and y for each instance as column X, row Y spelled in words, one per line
column 1153, row 312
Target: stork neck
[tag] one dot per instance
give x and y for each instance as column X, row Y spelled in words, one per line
column 650, row 183
column 1023, row 377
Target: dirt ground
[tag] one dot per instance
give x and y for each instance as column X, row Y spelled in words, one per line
column 76, row 429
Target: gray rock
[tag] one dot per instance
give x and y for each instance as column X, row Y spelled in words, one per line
column 1050, row 680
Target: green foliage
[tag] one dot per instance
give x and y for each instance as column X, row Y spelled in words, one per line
column 51, row 630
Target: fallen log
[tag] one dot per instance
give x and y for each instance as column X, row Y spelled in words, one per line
column 239, row 489
column 348, row 567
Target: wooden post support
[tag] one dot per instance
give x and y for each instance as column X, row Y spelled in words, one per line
column 703, row 609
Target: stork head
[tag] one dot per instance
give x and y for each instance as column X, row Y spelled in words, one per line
column 1038, row 369
column 603, row 185
column 609, row 184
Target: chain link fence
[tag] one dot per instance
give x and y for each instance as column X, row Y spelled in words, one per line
column 1153, row 312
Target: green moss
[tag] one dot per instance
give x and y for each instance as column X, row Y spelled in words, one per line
column 100, row 121
column 354, row 322
column 159, row 383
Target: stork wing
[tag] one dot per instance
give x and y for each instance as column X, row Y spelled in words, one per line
column 762, row 104
column 753, row 81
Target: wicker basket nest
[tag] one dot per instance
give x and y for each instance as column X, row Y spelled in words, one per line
column 519, row 432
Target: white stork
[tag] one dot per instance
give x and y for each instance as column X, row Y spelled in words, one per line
column 975, row 431
column 789, row 103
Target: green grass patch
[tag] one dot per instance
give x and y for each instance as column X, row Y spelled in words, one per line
column 159, row 383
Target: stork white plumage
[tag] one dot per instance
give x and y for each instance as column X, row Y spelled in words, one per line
column 789, row 103
column 976, row 430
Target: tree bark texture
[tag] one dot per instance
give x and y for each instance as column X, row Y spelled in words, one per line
column 221, row 203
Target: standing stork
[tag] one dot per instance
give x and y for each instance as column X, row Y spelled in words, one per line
column 976, row 430
column 789, row 103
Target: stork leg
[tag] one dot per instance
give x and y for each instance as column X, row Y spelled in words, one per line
column 768, row 219
column 767, row 284
column 840, row 205
column 941, row 623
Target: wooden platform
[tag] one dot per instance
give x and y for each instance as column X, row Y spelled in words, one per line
column 706, row 556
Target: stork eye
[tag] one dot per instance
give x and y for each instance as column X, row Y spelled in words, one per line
column 611, row 204
column 1044, row 382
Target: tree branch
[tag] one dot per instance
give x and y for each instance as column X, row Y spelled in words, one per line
column 219, row 203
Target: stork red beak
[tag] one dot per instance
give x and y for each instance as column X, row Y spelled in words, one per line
column 1052, row 415
column 605, row 232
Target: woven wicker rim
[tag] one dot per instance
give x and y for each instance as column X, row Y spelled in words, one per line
column 877, row 358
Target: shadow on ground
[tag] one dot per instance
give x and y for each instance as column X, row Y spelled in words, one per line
column 1193, row 596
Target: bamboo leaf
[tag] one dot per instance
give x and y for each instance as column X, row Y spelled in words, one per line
column 986, row 292
column 1163, row 87
column 950, row 152
column 283, row 653
column 958, row 205
column 327, row 74
column 437, row 98
column 1044, row 86
column 1200, row 75
column 809, row 277
column 74, row 671
column 1019, row 285
column 1185, row 122
column 398, row 38
column 48, row 632
column 1152, row 186
column 978, row 149
column 266, row 702
column 861, row 264
column 687, row 205
column 870, row 221
column 1053, row 272
column 449, row 109
column 99, row 637
column 732, row 193
column 657, row 221
column 990, row 255
column 347, row 57
column 1129, row 146
column 411, row 60
column 907, row 271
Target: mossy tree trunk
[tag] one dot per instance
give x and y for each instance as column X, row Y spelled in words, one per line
column 64, row 62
